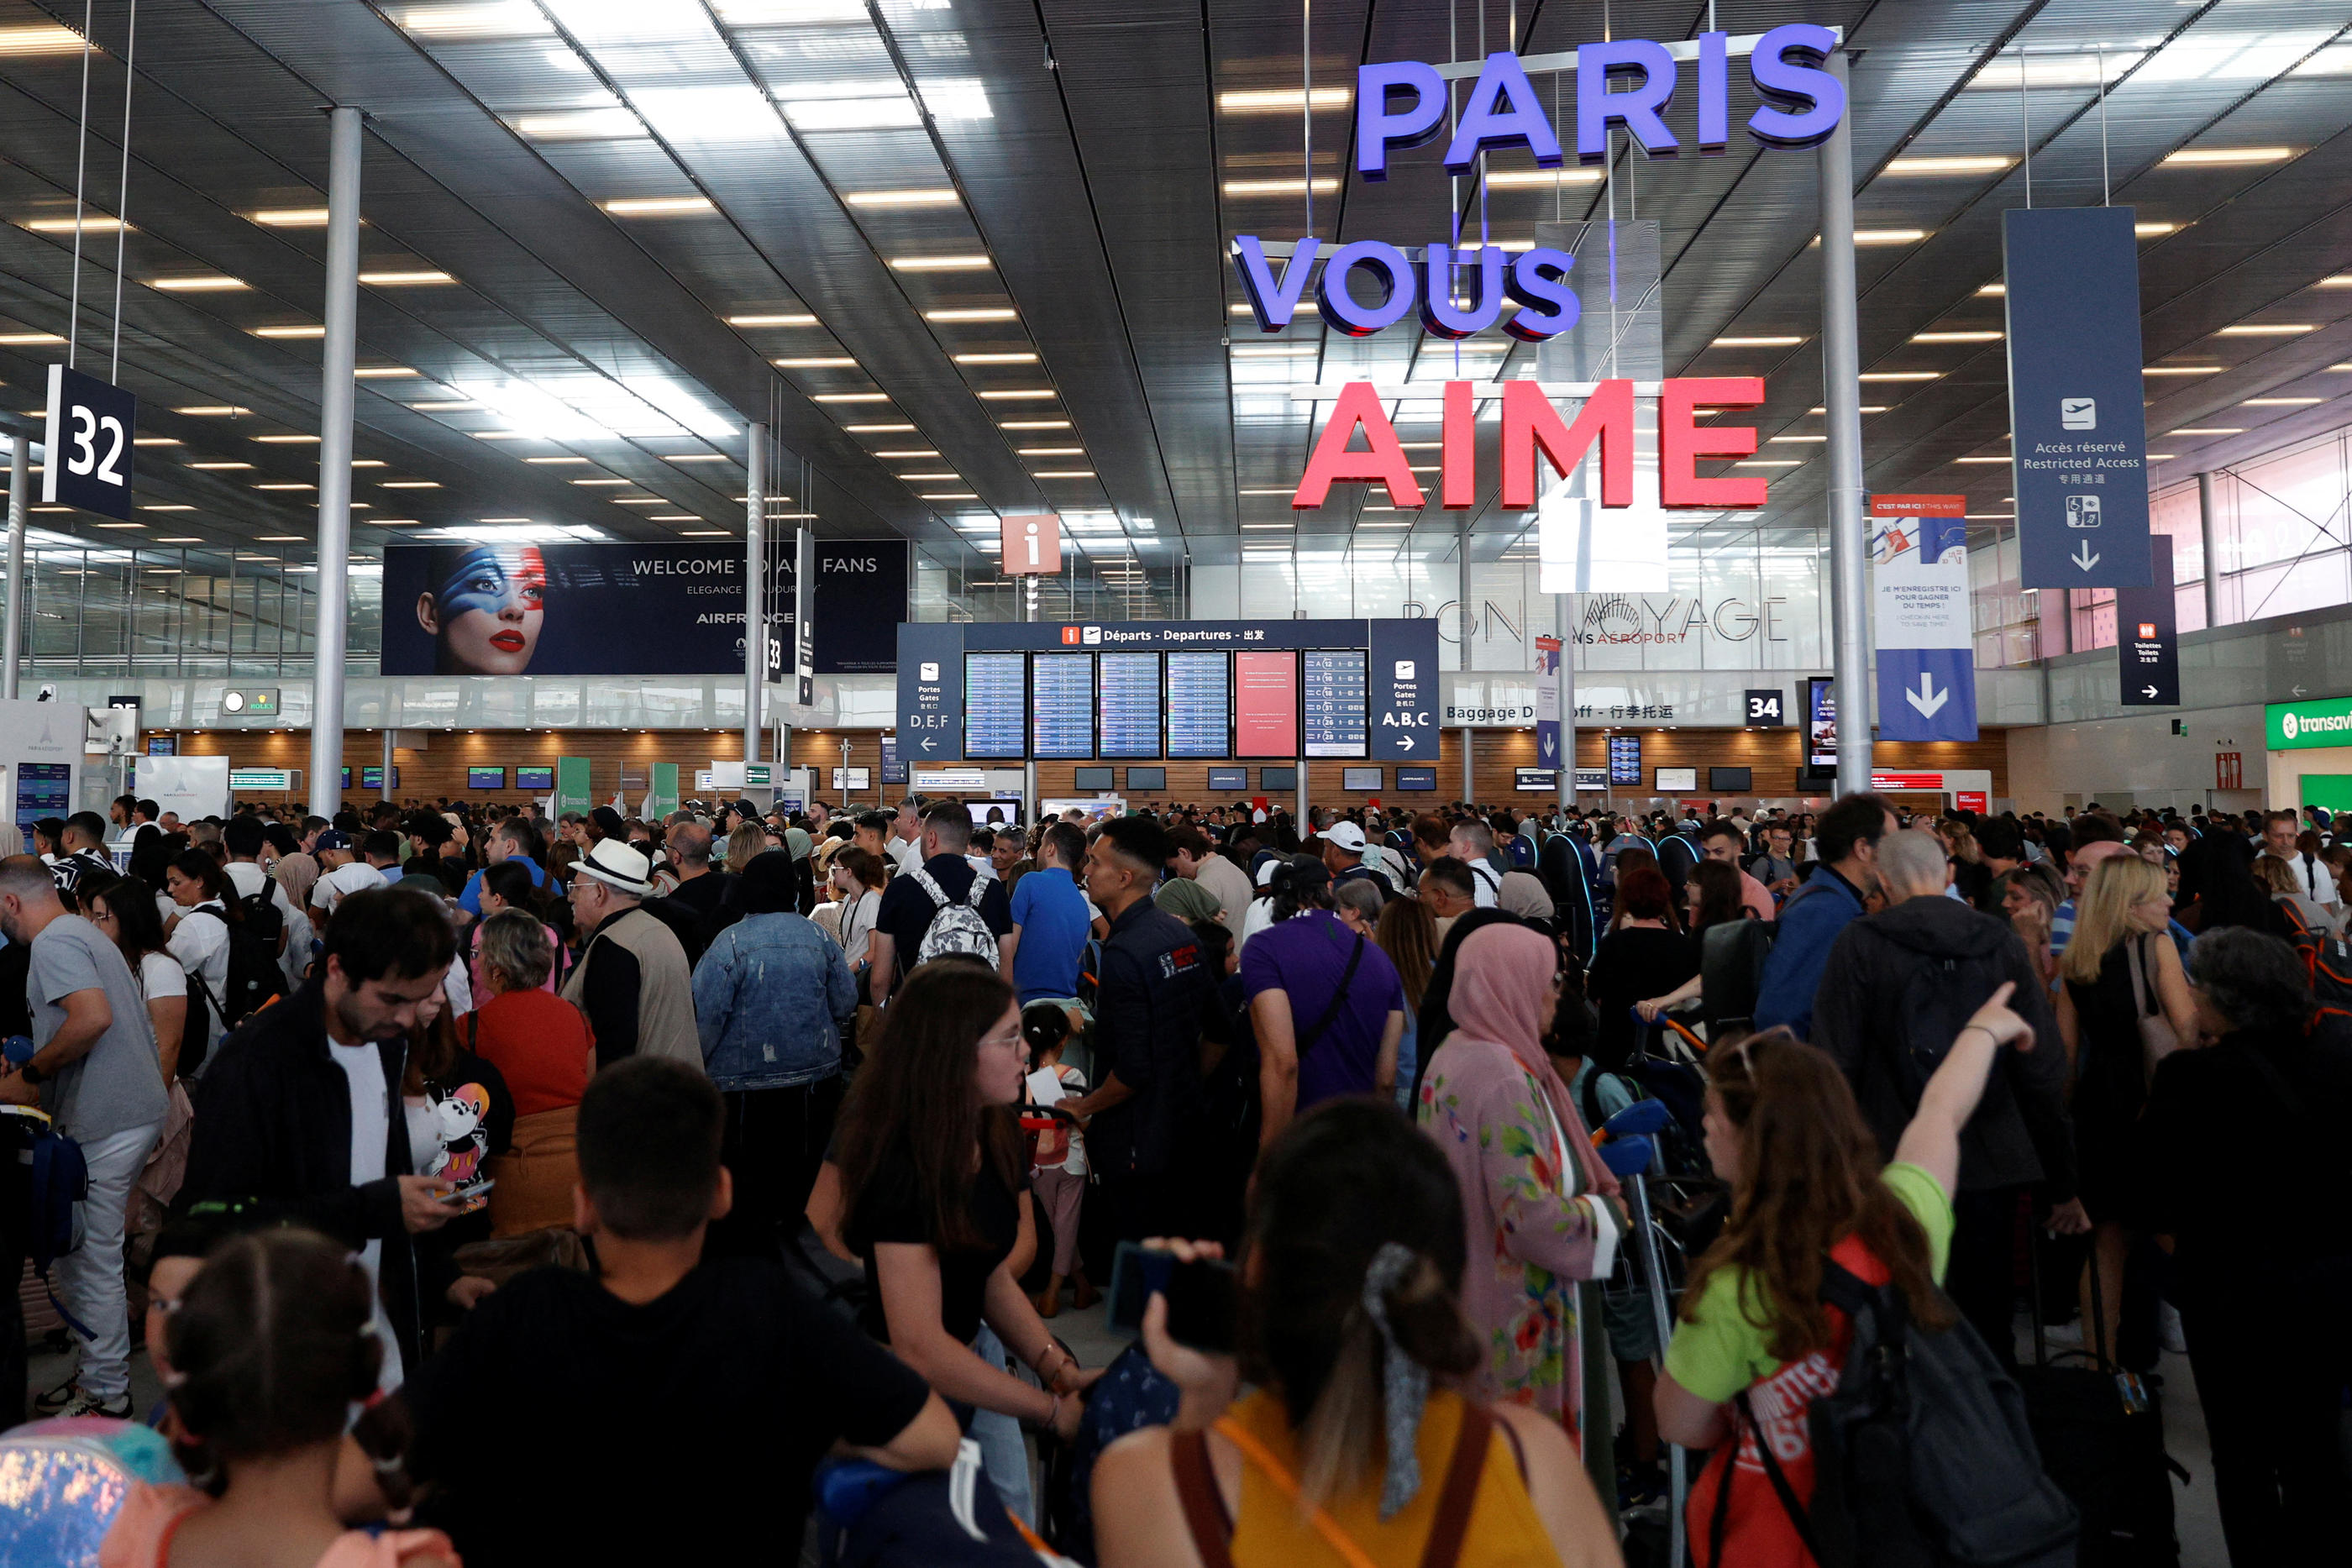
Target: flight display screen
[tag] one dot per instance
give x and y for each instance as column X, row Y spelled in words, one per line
column 1335, row 703
column 996, row 704
column 1128, row 705
column 1266, row 704
column 1061, row 714
column 1200, row 706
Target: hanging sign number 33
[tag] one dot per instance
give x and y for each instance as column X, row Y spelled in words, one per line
column 86, row 458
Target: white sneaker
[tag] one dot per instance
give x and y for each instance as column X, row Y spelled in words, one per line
column 2067, row 1335
column 2168, row 1329
column 85, row 1402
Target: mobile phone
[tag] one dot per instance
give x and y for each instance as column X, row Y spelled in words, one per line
column 467, row 1194
column 1203, row 1296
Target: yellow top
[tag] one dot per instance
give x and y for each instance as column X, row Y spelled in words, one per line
column 1271, row 1532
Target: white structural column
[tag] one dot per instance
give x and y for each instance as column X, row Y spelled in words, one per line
column 12, row 619
column 755, row 598
column 335, row 396
column 1842, row 387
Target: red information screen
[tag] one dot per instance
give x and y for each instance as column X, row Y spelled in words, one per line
column 1266, row 704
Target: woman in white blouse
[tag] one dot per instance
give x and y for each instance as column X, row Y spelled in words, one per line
column 858, row 876
column 199, row 937
column 124, row 913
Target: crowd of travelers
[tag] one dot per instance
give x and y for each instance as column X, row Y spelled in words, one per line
column 501, row 1189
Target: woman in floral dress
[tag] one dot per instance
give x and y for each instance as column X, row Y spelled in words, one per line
column 1539, row 1209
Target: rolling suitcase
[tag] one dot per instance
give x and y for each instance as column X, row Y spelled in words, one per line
column 2100, row 1430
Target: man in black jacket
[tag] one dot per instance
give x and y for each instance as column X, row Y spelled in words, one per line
column 1898, row 986
column 301, row 1113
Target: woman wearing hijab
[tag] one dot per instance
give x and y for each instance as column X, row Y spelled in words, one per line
column 1538, row 1206
column 801, row 848
column 770, row 996
column 1522, row 894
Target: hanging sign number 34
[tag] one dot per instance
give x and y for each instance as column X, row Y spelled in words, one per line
column 86, row 461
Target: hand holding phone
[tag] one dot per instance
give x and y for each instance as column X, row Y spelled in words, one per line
column 1202, row 1290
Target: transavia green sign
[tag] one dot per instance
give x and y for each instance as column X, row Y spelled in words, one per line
column 2295, row 727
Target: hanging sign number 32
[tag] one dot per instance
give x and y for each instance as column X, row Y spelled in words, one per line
column 87, row 460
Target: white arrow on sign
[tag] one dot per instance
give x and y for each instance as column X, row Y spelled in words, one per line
column 2082, row 557
column 929, row 744
column 2298, row 691
column 1926, row 699
column 1551, row 746
column 2148, row 691
column 1404, row 743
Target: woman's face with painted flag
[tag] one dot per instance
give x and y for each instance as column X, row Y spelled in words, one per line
column 486, row 614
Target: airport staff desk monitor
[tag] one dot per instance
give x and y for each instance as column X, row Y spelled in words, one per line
column 1149, row 690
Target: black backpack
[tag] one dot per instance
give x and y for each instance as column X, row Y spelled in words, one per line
column 254, row 981
column 1922, row 1456
column 263, row 918
column 1731, row 970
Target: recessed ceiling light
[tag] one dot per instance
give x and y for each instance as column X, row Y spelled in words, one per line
column 2207, row 430
column 818, row 362
column 946, row 475
column 178, row 539
column 2152, row 229
column 1271, row 490
column 1883, row 237
column 157, row 441
column 1867, row 408
column 29, row 340
column 1978, row 336
column 929, row 196
column 1992, row 459
column 1506, row 179
column 1004, row 359
column 40, row 38
column 1769, row 463
column 911, row 452
column 1984, row 163
column 973, row 313
column 1783, row 439
column 121, row 524
column 949, row 496
column 672, row 517
column 851, row 397
column 1324, row 186
column 775, row 320
column 230, row 409
column 1051, row 451
column 603, row 482
column 702, row 533
column 697, row 457
column 1902, row 375
column 411, row 484
column 289, row 331
column 92, row 223
column 175, row 507
column 291, row 217
column 876, row 429
column 1774, row 342
column 2282, row 401
column 2180, row 370
column 2336, row 280
column 941, row 263
column 1995, row 288
column 553, row 461
column 2190, row 156
column 1280, row 100
column 1062, row 474
column 365, row 463
column 220, row 466
column 1034, row 424
column 642, row 501
column 278, row 539
column 656, row 206
column 289, row 440
column 198, row 283
column 285, row 484
column 1019, row 394
column 382, row 372
column 2266, row 329
column 403, row 279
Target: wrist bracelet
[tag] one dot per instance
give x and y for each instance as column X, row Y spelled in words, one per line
column 1984, row 1031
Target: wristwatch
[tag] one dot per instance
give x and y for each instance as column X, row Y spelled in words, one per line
column 30, row 1073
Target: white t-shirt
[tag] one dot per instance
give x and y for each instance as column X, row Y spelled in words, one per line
column 200, row 942
column 160, row 975
column 370, row 1127
column 906, row 852
column 857, row 918
column 344, row 879
column 1260, row 916
column 1483, row 882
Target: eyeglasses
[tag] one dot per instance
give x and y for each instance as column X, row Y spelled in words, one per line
column 1013, row 1041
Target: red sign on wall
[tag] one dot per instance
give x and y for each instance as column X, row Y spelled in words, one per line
column 2228, row 770
column 1971, row 801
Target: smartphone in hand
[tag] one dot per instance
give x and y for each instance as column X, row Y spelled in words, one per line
column 1203, row 1296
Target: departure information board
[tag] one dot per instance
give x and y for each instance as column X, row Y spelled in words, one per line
column 996, row 704
column 1126, row 703
column 1200, row 706
column 1266, row 704
column 1624, row 760
column 1062, row 696
column 1335, row 703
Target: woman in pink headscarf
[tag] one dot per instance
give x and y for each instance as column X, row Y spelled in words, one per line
column 1539, row 1207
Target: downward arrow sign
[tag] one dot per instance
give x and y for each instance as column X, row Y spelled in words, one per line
column 2083, row 555
column 1926, row 699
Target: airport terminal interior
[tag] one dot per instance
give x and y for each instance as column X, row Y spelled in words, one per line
column 1835, row 516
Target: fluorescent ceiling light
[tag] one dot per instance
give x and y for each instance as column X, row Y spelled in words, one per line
column 1781, row 440
column 817, row 362
column 1883, row 237
column 555, row 460
column 2282, row 401
column 672, row 517
column 1765, row 342
column 2267, row 330
column 198, row 283
column 656, row 206
column 495, row 19
column 2191, row 156
column 602, row 481
column 446, row 405
column 178, row 539
column 92, row 223
column 949, row 496
column 985, row 313
column 582, row 125
column 1769, row 463
column 1032, row 425
column 1050, row 451
column 291, row 217
column 41, row 39
column 642, row 501
column 851, row 397
column 285, row 484
column 1019, row 394
column 929, row 196
column 278, row 539
column 412, row 483
column 1063, row 474
column 2207, row 430
column 783, row 321
column 1973, row 163
column 2152, row 229
column 289, row 331
column 1504, row 178
column 2180, row 370
column 702, row 533
column 29, row 340
column 218, row 466
column 946, row 475
column 514, row 533
column 1994, row 288
column 179, row 508
column 157, row 441
column 696, row 457
column 876, row 429
column 941, row 263
column 1902, row 375
column 212, row 408
column 382, row 372
column 1984, row 336
column 531, row 412
column 289, row 440
column 1275, row 350
column 1992, row 459
column 1008, row 359
column 405, row 279
column 912, row 452
column 1323, row 187
column 1281, row 101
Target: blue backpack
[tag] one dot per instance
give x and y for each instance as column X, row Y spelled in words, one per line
column 59, row 1181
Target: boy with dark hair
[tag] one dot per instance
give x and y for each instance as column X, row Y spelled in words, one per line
column 585, row 1379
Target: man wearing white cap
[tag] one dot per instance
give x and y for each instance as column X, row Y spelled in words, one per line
column 633, row 980
column 1343, row 852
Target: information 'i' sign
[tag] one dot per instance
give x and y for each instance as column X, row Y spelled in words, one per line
column 1032, row 545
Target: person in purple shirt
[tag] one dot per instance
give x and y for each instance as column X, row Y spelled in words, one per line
column 1326, row 1005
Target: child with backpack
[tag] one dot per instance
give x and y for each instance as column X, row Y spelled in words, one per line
column 267, row 1350
column 1818, row 1232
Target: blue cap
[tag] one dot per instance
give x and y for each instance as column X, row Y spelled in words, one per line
column 333, row 838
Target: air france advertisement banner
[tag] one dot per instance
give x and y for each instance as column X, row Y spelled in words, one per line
column 1547, row 701
column 581, row 609
column 1926, row 656
column 2078, row 430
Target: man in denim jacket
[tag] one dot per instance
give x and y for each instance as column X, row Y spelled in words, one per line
column 770, row 999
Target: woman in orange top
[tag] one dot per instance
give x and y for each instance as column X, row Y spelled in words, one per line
column 1351, row 1453
column 542, row 1045
column 268, row 1348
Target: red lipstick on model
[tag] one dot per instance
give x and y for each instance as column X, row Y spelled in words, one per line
column 507, row 642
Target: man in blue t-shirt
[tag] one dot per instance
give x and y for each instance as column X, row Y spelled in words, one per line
column 510, row 840
column 1051, row 921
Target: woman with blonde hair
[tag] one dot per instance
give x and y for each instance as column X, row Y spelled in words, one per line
column 2277, row 878
column 744, row 844
column 2124, row 1005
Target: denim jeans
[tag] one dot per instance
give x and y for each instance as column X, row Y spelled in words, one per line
column 89, row 1278
column 1003, row 1452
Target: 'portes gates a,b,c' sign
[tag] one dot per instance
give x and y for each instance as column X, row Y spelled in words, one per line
column 2148, row 644
column 91, row 427
column 2078, row 438
column 1926, row 656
